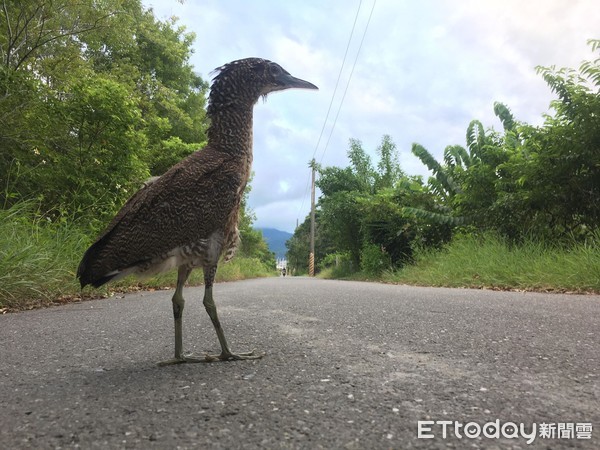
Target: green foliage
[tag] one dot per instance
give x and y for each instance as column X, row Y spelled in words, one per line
column 490, row 261
column 37, row 257
column 363, row 208
column 298, row 246
column 337, row 265
column 388, row 168
column 374, row 260
column 529, row 180
column 94, row 97
column 505, row 116
column 361, row 170
column 442, row 182
column 167, row 153
column 100, row 149
column 254, row 245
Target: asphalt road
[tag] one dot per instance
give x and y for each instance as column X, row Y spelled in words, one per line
column 348, row 365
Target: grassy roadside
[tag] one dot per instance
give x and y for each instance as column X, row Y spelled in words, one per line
column 489, row 262
column 38, row 261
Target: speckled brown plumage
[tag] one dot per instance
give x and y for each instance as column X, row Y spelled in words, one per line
column 191, row 202
column 188, row 217
column 199, row 198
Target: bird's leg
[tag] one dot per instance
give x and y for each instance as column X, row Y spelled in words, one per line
column 211, row 309
column 178, row 304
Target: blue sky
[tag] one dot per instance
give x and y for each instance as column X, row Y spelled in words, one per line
column 425, row 70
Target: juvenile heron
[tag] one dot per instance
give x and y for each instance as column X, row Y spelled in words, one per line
column 188, row 217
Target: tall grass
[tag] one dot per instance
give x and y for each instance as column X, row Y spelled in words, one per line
column 490, row 262
column 38, row 261
column 37, row 258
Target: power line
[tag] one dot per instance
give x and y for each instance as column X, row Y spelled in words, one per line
column 338, row 79
column 311, row 256
column 348, row 83
column 332, row 98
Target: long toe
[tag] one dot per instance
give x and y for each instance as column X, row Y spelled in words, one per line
column 181, row 360
column 170, row 362
column 229, row 356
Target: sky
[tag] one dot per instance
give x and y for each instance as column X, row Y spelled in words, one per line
column 424, row 71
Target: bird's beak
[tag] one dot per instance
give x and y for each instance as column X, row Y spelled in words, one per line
column 286, row 81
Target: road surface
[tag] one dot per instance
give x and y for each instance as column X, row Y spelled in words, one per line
column 349, row 365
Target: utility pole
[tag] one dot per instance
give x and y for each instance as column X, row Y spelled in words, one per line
column 311, row 256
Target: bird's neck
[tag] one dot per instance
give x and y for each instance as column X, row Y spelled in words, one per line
column 230, row 130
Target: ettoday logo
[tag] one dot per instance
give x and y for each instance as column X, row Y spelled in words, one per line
column 430, row 429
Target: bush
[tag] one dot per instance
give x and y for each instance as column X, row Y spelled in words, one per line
column 337, row 265
column 374, row 260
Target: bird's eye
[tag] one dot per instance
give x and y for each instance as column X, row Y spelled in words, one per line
column 275, row 70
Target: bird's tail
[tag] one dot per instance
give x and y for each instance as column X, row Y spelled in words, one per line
column 85, row 271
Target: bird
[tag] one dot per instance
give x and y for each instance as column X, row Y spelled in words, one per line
column 187, row 218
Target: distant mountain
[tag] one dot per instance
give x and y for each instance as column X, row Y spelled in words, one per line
column 276, row 240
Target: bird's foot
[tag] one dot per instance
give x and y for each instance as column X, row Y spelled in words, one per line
column 180, row 360
column 229, row 356
column 223, row 356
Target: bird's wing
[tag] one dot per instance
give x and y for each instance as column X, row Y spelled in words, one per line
column 189, row 202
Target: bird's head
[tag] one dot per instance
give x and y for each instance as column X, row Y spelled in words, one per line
column 244, row 81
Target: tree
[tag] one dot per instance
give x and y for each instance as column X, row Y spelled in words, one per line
column 542, row 181
column 298, row 246
column 339, row 202
column 34, row 30
column 558, row 168
column 388, row 167
column 40, row 46
column 370, row 213
column 100, row 149
column 94, row 97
